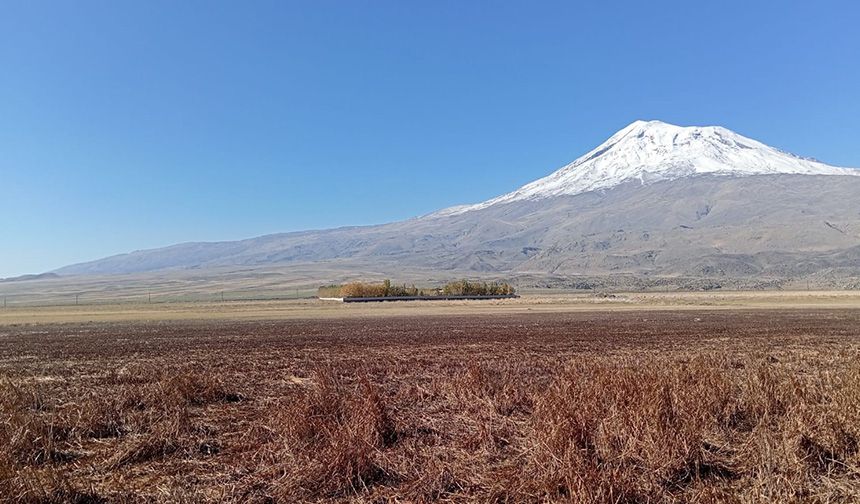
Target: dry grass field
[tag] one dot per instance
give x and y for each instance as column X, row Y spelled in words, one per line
column 585, row 406
column 536, row 301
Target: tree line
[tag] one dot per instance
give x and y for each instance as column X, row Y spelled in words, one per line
column 387, row 289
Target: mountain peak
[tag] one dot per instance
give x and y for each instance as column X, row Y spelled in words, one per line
column 645, row 123
column 651, row 151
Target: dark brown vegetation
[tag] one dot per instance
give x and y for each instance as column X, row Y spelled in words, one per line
column 613, row 407
column 387, row 289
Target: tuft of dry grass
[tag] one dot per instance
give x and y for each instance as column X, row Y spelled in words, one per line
column 328, row 441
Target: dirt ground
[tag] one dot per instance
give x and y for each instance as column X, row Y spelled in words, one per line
column 704, row 405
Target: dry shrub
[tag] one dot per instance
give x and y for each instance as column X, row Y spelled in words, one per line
column 134, row 374
column 147, row 411
column 192, row 384
column 33, row 436
column 45, row 486
column 330, row 438
column 502, row 387
column 31, row 432
column 165, row 436
column 495, row 399
column 197, row 389
column 651, row 431
column 158, row 416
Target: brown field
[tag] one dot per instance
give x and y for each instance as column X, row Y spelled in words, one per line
column 713, row 404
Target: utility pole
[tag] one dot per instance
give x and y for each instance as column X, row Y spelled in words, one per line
column 4, row 302
column 76, row 299
column 222, row 296
column 149, row 297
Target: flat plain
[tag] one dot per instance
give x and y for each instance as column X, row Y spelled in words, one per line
column 538, row 301
column 732, row 397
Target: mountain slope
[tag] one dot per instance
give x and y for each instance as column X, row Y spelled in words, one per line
column 652, row 151
column 653, row 199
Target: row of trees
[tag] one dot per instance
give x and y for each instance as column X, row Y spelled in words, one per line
column 386, row 289
column 467, row 288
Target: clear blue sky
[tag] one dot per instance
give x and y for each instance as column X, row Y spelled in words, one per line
column 129, row 125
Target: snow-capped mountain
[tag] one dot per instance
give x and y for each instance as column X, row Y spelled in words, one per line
column 651, row 151
column 655, row 199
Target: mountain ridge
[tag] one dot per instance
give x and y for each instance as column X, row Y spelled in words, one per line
column 666, row 200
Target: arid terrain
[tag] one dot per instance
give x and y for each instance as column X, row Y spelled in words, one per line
column 535, row 301
column 712, row 403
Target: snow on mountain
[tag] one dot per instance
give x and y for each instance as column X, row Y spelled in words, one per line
column 651, row 151
column 635, row 207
